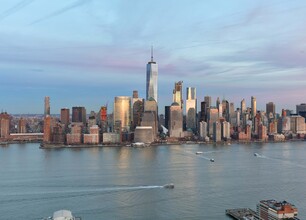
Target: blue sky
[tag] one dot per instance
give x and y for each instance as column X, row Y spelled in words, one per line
column 86, row 52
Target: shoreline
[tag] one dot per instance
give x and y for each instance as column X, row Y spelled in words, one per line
column 128, row 144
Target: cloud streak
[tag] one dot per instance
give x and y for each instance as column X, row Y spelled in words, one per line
column 63, row 10
column 17, row 7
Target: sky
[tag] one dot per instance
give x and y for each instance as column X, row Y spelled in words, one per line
column 86, row 52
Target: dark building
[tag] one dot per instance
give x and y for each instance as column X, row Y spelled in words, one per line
column 167, row 116
column 138, row 109
column 79, row 114
column 203, row 116
column 270, row 110
column 65, row 116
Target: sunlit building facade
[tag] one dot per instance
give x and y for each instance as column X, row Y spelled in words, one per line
column 122, row 112
column 191, row 108
column 152, row 77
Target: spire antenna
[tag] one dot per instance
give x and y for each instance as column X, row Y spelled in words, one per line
column 151, row 53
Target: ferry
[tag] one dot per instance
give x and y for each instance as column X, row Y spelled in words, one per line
column 199, row 152
column 63, row 215
column 169, row 186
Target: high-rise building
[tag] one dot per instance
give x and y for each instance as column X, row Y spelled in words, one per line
column 191, row 108
column 167, row 116
column 138, row 109
column 178, row 93
column 300, row 108
column 122, row 112
column 242, row 107
column 253, row 106
column 102, row 118
column 47, row 105
column 4, row 125
column 226, row 130
column 65, row 116
column 176, row 121
column 217, row 131
column 22, row 126
column 151, row 81
column 47, row 129
column 207, row 99
column 203, row 129
column 273, row 210
column 218, row 102
column 150, row 116
column 212, row 116
column 79, row 114
column 270, row 110
column 203, row 113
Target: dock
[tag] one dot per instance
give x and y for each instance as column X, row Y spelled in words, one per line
column 242, row 214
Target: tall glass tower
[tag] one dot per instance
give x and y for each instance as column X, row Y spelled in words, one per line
column 152, row 74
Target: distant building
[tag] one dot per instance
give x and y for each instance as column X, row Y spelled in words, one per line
column 176, row 121
column 93, row 137
column 300, row 108
column 203, row 129
column 273, row 210
column 102, row 119
column 47, row 129
column 144, row 134
column 58, row 134
column 203, row 112
column 270, row 110
column 79, row 114
column 151, row 80
column 262, row 132
column 253, row 107
column 122, row 111
column 22, row 125
column 225, row 130
column 5, row 121
column 75, row 137
column 47, row 105
column 212, row 117
column 246, row 134
column 297, row 124
column 191, row 109
column 178, row 93
column 207, row 99
column 167, row 116
column 65, row 116
column 217, row 131
column 138, row 109
column 150, row 115
column 242, row 107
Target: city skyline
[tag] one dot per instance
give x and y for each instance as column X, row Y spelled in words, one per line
column 84, row 53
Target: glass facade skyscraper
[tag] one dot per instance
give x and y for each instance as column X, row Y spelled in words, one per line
column 152, row 76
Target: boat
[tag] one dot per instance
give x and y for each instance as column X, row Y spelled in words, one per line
column 199, row 152
column 256, row 154
column 169, row 186
column 212, row 160
column 63, row 215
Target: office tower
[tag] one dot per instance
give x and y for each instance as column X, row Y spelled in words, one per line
column 301, row 109
column 297, row 124
column 225, row 130
column 203, row 130
column 225, row 109
column 207, row 99
column 122, row 112
column 176, row 121
column 152, row 75
column 102, row 118
column 191, row 109
column 92, row 120
column 178, row 93
column 22, row 126
column 167, row 116
column 5, row 121
column 150, row 116
column 79, row 114
column 138, row 108
column 262, row 132
column 220, row 109
column 218, row 102
column 203, row 113
column 273, row 210
column 212, row 116
column 253, row 106
column 242, row 107
column 217, row 131
column 47, row 129
column 47, row 105
column 65, row 116
column 270, row 110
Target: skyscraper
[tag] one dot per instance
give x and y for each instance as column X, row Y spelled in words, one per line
column 178, row 93
column 176, row 121
column 270, row 110
column 243, row 107
column 79, row 114
column 47, row 105
column 253, row 106
column 65, row 116
column 122, row 112
column 191, row 108
column 207, row 99
column 152, row 75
